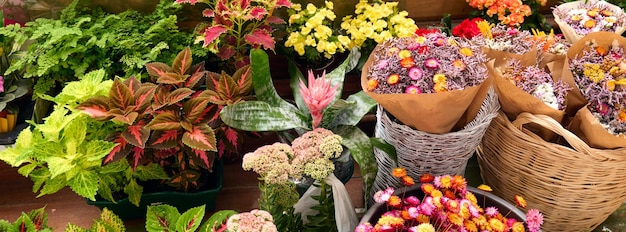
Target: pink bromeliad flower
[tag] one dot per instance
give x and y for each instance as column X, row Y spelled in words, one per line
column 317, row 96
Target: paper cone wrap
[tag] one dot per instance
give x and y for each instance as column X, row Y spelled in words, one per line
column 588, row 128
column 569, row 32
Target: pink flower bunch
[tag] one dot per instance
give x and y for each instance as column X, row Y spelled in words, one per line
column 237, row 25
column 537, row 82
column 447, row 205
column 317, row 96
column 600, row 75
column 426, row 64
column 591, row 16
column 253, row 221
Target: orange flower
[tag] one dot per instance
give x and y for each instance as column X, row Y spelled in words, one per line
column 427, row 178
column 408, row 181
column 407, row 62
column 421, row 219
column 470, row 226
column 455, row 219
column 428, row 188
column 436, row 193
column 589, row 24
column 518, row 227
column 372, row 84
column 393, row 79
column 520, row 201
column 593, row 13
column 485, row 188
column 398, row 172
column 449, row 194
column 405, row 214
column 601, row 50
column 497, row 225
column 394, row 201
column 622, row 115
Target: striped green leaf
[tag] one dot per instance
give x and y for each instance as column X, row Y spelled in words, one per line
column 261, row 116
column 359, row 105
column 262, row 79
column 362, row 151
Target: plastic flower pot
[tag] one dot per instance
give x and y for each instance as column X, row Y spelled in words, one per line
column 181, row 200
column 504, row 207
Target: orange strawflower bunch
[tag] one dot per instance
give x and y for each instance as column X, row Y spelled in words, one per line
column 508, row 12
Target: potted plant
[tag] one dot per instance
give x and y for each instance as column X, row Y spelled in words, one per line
column 13, row 87
column 83, row 39
column 321, row 107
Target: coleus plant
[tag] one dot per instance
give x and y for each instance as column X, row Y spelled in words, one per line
column 166, row 120
column 271, row 113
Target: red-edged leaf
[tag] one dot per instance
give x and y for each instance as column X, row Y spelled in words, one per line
column 260, row 37
column 281, row 3
column 164, row 139
column 202, row 155
column 165, row 121
column 120, row 95
column 97, row 107
column 137, row 155
column 172, row 78
column 243, row 77
column 188, row 126
column 122, row 149
column 133, row 84
column 221, row 148
column 197, row 74
column 212, row 33
column 178, row 95
column 144, row 96
column 232, row 136
column 201, row 137
column 208, row 13
column 194, row 108
column 213, row 80
column 243, row 4
column 256, row 12
column 160, row 98
column 212, row 96
column 157, row 69
column 182, row 62
column 228, row 89
column 275, row 20
column 213, row 111
column 225, row 52
column 137, row 135
column 128, row 119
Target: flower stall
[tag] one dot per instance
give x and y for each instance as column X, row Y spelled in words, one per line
column 322, row 115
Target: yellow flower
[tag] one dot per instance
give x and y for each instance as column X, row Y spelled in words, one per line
column 311, row 8
column 466, row 51
column 521, row 202
column 440, row 87
column 485, row 188
column 455, row 219
column 420, row 39
column 485, row 28
column 440, row 78
column 497, row 225
column 310, row 41
column 425, row 227
column 296, row 7
column 622, row 115
column 446, row 181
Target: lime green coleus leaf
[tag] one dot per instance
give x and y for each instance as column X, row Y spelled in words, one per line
column 151, row 172
column 74, row 228
column 85, row 184
column 113, row 222
column 90, row 85
column 23, row 224
column 59, row 165
column 21, row 148
column 261, row 116
column 190, row 220
column 218, row 218
column 134, row 191
column 161, row 218
column 51, row 185
column 58, row 120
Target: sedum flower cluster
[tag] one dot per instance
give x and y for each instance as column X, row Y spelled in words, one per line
column 508, row 12
column 502, row 38
column 426, row 64
column 309, row 155
column 537, row 82
column 377, row 21
column 255, row 220
column 446, row 205
column 600, row 75
column 592, row 16
column 311, row 32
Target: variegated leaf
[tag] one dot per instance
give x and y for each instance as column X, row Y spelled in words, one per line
column 97, row 107
column 260, row 37
column 362, row 151
column 158, row 69
column 294, row 83
column 136, row 135
column 128, row 119
column 212, row 96
column 133, row 84
column 228, row 89
column 262, row 80
column 137, row 154
column 160, row 98
column 197, row 75
column 193, row 109
column 338, row 75
column 202, row 158
column 182, row 62
column 172, row 78
column 201, row 137
column 164, row 139
column 121, row 150
column 243, row 78
column 360, row 105
column 144, row 96
column 213, row 80
column 261, row 116
column 232, row 136
column 165, row 121
column 120, row 95
column 178, row 95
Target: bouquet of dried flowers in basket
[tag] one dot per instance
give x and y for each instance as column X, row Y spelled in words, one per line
column 598, row 66
column 579, row 18
column 427, row 82
column 309, row 155
column 446, row 204
column 501, row 42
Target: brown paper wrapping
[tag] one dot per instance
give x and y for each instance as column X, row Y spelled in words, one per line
column 588, row 128
column 435, row 113
column 569, row 32
column 501, row 57
column 584, row 124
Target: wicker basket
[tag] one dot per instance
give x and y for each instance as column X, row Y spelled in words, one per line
column 576, row 189
column 420, row 152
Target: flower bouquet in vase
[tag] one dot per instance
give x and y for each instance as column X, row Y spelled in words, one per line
column 598, row 68
column 431, row 93
column 579, row 18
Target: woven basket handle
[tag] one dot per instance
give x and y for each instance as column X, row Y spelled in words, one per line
column 551, row 124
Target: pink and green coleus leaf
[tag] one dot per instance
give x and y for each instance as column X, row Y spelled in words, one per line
column 243, row 77
column 137, row 135
column 228, row 89
column 275, row 20
column 164, row 121
column 232, row 137
column 120, row 95
column 201, row 137
column 121, row 150
column 97, row 107
column 172, row 78
column 133, row 84
column 164, row 139
column 256, row 12
column 182, row 62
column 212, row 33
column 178, row 95
column 260, row 37
column 195, row 109
column 197, row 74
column 123, row 117
column 158, row 69
column 143, row 97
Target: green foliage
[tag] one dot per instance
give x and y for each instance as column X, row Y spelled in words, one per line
column 216, row 220
column 108, row 222
column 167, row 218
column 33, row 221
column 324, row 220
column 85, row 39
column 278, row 200
column 12, row 39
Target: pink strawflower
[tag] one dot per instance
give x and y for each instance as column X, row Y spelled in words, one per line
column 1, row 84
column 413, row 212
column 365, row 227
column 415, row 73
column 412, row 200
column 413, row 90
column 383, row 195
column 431, row 63
column 491, row 211
column 534, row 220
column 317, row 96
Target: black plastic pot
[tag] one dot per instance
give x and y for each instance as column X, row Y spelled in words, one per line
column 504, row 207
